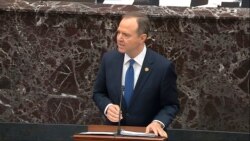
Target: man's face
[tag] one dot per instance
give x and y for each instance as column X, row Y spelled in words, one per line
column 128, row 40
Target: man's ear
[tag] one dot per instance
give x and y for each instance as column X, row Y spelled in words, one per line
column 143, row 37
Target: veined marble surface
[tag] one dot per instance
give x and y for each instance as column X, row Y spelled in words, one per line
column 100, row 9
column 50, row 53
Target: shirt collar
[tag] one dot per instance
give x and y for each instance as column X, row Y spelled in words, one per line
column 139, row 58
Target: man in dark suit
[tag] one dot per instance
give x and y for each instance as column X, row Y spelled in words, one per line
column 150, row 95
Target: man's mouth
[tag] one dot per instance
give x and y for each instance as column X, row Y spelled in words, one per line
column 120, row 45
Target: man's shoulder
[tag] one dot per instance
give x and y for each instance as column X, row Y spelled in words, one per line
column 160, row 62
column 158, row 57
column 112, row 54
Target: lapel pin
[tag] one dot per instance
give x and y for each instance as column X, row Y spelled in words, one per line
column 146, row 69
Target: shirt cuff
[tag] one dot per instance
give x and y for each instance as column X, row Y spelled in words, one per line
column 162, row 124
column 105, row 111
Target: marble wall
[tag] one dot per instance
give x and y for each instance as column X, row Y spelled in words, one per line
column 50, row 53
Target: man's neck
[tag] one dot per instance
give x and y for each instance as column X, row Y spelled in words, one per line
column 138, row 51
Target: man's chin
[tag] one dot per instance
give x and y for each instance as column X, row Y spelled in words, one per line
column 121, row 50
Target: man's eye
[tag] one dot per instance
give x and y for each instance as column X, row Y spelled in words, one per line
column 126, row 35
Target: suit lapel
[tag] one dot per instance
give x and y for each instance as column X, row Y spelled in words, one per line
column 143, row 77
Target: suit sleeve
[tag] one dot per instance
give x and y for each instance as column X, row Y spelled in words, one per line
column 100, row 94
column 168, row 97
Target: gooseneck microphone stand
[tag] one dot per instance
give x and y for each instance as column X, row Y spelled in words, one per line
column 119, row 122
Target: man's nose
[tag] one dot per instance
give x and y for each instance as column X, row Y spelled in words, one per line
column 119, row 37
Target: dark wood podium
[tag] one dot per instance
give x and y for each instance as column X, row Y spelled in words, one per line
column 107, row 128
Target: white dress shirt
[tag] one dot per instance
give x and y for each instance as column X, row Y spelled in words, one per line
column 137, row 65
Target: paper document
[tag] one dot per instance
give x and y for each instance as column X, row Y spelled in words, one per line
column 140, row 134
column 97, row 133
column 123, row 133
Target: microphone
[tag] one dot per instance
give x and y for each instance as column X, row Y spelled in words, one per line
column 120, row 104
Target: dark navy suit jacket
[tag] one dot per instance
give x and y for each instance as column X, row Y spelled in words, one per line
column 155, row 94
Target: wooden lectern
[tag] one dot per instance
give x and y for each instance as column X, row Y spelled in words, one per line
column 108, row 128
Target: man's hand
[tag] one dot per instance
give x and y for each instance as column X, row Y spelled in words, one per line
column 156, row 128
column 113, row 113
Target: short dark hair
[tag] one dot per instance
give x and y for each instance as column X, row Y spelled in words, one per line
column 142, row 20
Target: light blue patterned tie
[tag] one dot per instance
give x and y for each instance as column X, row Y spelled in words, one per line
column 129, row 82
